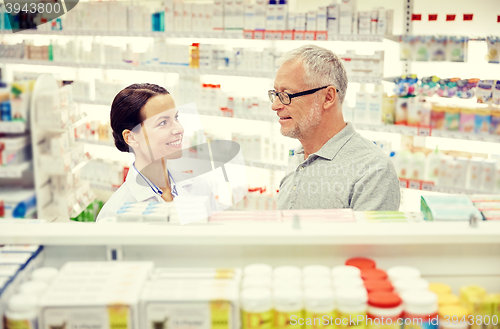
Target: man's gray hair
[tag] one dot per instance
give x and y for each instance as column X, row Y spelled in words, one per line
column 322, row 67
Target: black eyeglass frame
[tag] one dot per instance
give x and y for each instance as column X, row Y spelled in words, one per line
column 270, row 93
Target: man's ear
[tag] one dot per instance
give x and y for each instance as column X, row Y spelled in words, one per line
column 331, row 97
column 129, row 138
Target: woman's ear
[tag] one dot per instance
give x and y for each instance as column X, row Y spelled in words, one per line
column 129, row 138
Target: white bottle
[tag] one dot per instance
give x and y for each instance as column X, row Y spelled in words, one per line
column 444, row 162
column 419, row 304
column 375, row 105
column 33, row 288
column 488, row 175
column 318, row 303
column 287, row 271
column 474, row 174
column 258, row 269
column 287, row 303
column 403, row 272
column 417, row 166
column 352, row 283
column 432, row 166
column 315, row 270
column 256, row 305
column 361, row 108
column 351, row 301
column 256, row 282
column 317, row 282
column 417, row 284
column 22, row 312
column 460, row 172
column 333, row 19
column 345, row 271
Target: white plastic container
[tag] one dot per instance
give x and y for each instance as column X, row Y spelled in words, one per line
column 317, row 282
column 404, row 285
column 22, row 312
column 460, row 172
column 258, row 269
column 351, row 303
column 432, row 166
column 315, row 270
column 417, row 166
column 319, row 303
column 287, row 271
column 488, row 175
column 420, row 306
column 384, row 310
column 345, row 271
column 287, row 305
column 474, row 174
column 342, row 283
column 403, row 272
column 285, row 283
column 33, row 288
column 256, row 282
column 256, row 305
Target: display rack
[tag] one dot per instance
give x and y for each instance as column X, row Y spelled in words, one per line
column 205, row 35
column 451, row 252
column 47, row 207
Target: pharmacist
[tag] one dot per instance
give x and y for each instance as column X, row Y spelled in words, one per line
column 146, row 123
column 334, row 167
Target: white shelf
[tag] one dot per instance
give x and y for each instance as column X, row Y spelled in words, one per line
column 184, row 70
column 14, row 170
column 253, row 234
column 13, row 127
column 238, row 34
column 415, row 131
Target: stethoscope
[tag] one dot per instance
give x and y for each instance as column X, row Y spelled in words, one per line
column 155, row 188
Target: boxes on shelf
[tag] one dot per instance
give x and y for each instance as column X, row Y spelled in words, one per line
column 15, row 149
column 85, row 294
column 448, row 208
column 17, row 203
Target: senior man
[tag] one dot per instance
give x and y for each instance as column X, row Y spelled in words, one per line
column 334, row 167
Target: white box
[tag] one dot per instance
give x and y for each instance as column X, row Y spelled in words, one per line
column 169, row 15
column 300, row 22
column 239, row 14
column 311, row 20
column 281, row 17
column 271, row 17
column 260, row 14
column 218, row 15
column 290, row 26
column 346, row 11
column 382, row 22
column 333, row 19
column 178, row 16
column 321, row 20
column 229, row 10
column 187, row 9
column 249, row 16
column 364, row 21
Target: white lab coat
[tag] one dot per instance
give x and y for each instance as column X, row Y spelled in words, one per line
column 131, row 191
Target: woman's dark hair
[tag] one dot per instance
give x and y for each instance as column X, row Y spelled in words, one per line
column 126, row 109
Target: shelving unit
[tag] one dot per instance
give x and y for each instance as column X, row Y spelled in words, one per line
column 48, row 208
column 15, row 171
column 13, row 127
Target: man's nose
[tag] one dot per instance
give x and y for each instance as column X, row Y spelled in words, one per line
column 276, row 105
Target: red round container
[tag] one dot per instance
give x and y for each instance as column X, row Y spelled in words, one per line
column 384, row 299
column 361, row 262
column 378, row 285
column 373, row 274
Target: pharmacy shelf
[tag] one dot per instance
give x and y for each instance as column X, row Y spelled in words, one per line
column 183, row 70
column 94, row 142
column 202, row 35
column 430, row 187
column 198, row 234
column 416, row 131
column 103, row 186
column 14, row 170
column 13, row 127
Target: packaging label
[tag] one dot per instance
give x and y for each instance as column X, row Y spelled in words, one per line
column 320, row 320
column 21, row 324
column 351, row 320
column 282, row 320
column 118, row 316
column 262, row 320
column 221, row 312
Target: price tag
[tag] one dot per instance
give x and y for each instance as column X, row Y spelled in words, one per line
column 321, row 35
column 433, row 17
column 248, row 34
column 416, row 17
column 468, row 17
column 288, row 35
column 259, row 35
column 403, row 183
column 269, row 35
column 450, row 17
column 310, row 35
column 298, row 35
column 427, row 186
column 424, row 131
column 414, row 184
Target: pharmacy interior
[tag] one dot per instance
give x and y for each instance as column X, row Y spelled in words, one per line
column 423, row 86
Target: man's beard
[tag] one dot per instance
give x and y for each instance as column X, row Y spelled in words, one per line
column 305, row 126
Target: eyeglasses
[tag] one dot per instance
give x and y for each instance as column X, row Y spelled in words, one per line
column 286, row 98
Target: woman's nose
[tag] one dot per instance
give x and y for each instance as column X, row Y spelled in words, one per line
column 178, row 129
